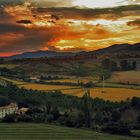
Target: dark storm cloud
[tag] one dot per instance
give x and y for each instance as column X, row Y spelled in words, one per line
column 4, row 17
column 87, row 13
column 6, row 28
column 38, row 3
column 52, row 3
column 11, row 2
column 16, row 38
column 134, row 23
column 22, row 43
column 24, row 21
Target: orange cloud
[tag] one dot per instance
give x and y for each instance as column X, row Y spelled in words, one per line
column 27, row 28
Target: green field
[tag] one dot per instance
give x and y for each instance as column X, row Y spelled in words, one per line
column 50, row 132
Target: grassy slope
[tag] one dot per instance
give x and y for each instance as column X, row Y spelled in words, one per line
column 50, row 132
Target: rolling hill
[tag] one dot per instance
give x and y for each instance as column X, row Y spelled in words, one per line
column 119, row 48
column 39, row 54
column 114, row 49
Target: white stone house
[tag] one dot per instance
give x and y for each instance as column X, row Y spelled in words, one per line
column 9, row 109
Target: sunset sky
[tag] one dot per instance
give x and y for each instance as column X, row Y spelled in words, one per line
column 67, row 25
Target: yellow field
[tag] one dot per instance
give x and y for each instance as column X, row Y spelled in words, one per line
column 113, row 94
column 131, row 77
column 35, row 86
column 74, row 80
column 9, row 66
column 44, row 87
column 12, row 81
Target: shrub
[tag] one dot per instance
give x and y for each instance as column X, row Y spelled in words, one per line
column 4, row 101
column 117, row 128
column 24, row 118
column 10, row 118
column 49, row 118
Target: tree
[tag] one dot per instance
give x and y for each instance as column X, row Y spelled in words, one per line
column 55, row 113
column 109, row 65
column 49, row 118
column 98, row 118
column 106, row 63
column 10, row 118
column 116, row 115
column 89, row 84
column 4, row 101
column 134, row 65
column 113, row 66
column 117, row 128
column 24, row 118
column 138, row 120
column 1, row 60
column 80, row 71
column 124, row 65
column 135, row 102
column 72, row 119
column 87, row 108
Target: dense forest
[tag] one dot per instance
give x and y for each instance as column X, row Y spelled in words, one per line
column 85, row 112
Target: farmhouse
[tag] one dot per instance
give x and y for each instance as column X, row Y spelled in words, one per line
column 22, row 110
column 6, row 110
column 3, row 83
column 34, row 79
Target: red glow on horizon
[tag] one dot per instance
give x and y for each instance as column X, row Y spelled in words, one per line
column 7, row 54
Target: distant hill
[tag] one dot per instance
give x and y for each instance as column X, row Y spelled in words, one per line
column 117, row 49
column 39, row 54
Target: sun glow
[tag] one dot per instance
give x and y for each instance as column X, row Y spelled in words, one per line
column 99, row 21
column 62, row 48
column 42, row 23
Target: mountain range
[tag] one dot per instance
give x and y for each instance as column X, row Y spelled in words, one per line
column 118, row 48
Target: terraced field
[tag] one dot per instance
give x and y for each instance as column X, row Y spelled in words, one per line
column 50, row 132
